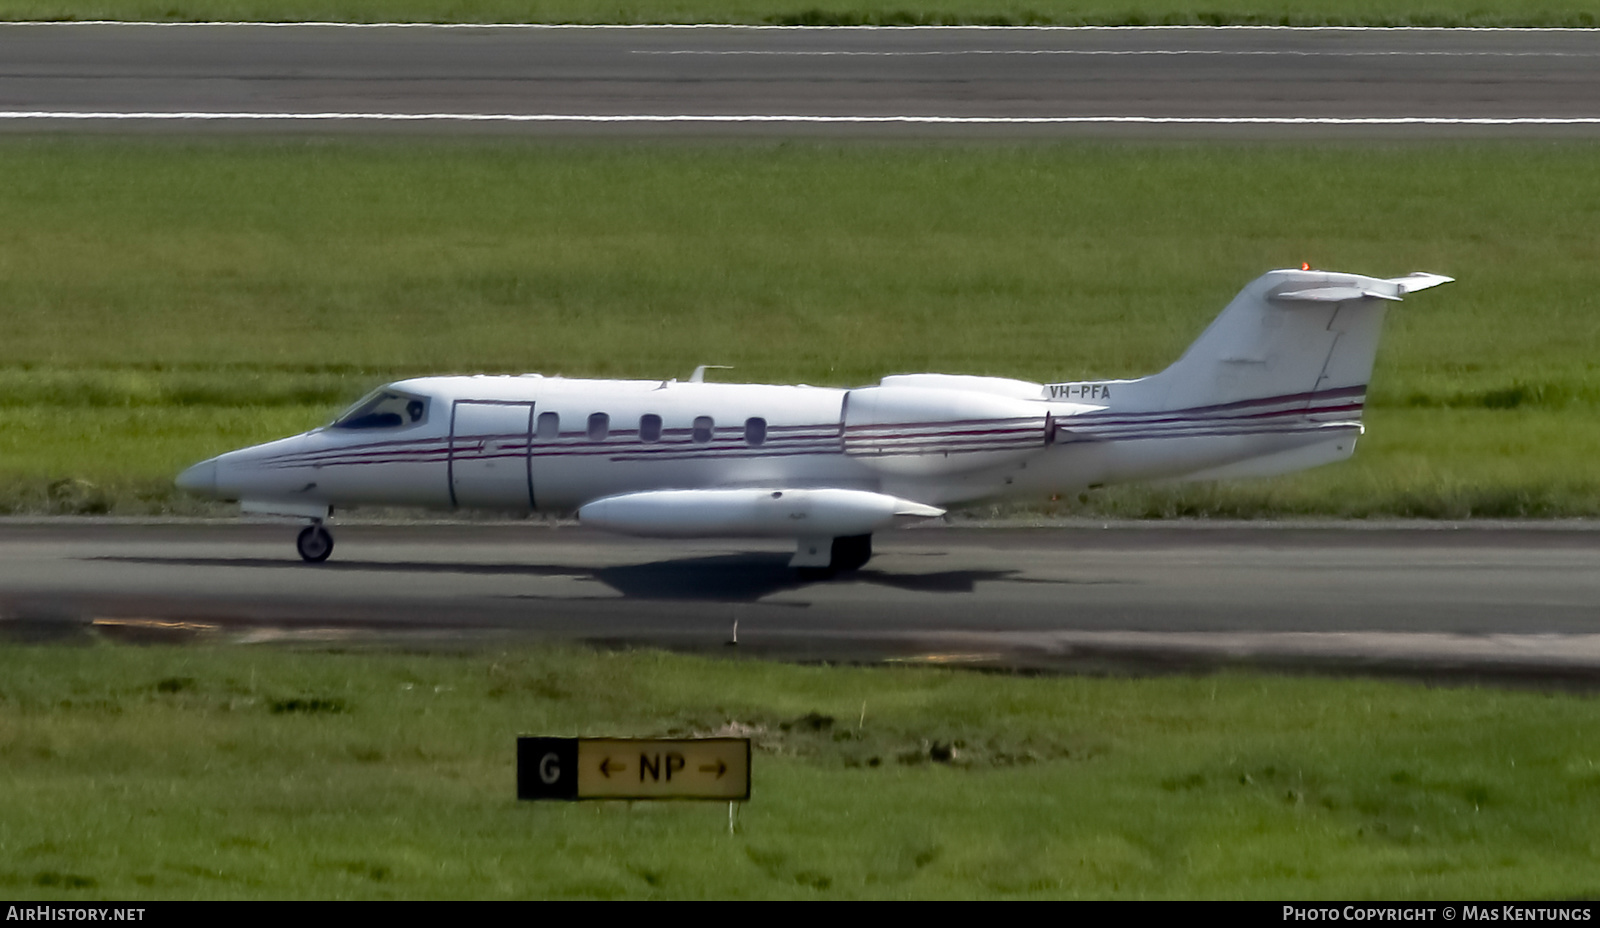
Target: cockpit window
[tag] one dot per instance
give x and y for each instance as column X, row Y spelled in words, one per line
column 385, row 409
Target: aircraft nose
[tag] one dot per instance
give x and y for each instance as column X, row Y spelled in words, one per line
column 200, row 479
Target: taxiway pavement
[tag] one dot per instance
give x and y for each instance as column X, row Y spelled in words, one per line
column 1517, row 599
column 751, row 81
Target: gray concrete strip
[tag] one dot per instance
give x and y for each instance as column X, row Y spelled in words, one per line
column 1555, row 653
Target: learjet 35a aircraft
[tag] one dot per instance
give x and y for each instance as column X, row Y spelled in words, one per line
column 1276, row 384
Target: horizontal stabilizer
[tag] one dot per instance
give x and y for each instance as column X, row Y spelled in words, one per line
column 1364, row 289
column 1419, row 281
column 1335, row 295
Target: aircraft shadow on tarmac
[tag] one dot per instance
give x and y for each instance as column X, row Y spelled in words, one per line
column 751, row 577
column 718, row 578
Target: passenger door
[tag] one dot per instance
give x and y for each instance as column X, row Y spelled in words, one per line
column 489, row 442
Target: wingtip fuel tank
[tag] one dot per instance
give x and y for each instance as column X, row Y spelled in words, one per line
column 750, row 513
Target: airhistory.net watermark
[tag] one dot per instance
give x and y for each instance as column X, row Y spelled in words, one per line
column 71, row 913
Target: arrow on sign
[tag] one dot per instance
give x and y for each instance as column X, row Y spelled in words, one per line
column 663, row 768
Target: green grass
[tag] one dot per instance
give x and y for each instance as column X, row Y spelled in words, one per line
column 163, row 772
column 824, row 12
column 166, row 301
column 1435, row 464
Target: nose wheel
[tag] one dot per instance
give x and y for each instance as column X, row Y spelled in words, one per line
column 314, row 544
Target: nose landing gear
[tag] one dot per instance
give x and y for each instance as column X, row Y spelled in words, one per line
column 315, row 543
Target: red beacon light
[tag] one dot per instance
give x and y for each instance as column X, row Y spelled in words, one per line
column 1304, row 266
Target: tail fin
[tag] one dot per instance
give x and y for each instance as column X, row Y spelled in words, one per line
column 1295, row 336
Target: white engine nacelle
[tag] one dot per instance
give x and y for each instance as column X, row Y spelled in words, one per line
column 999, row 386
column 921, row 431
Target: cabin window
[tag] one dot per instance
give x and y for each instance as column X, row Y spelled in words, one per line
column 649, row 427
column 549, row 426
column 599, row 426
column 755, row 431
column 385, row 409
column 703, row 427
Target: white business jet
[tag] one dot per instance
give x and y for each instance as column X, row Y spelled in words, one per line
column 1275, row 384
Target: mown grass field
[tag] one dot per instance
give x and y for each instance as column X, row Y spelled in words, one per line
column 830, row 12
column 172, row 772
column 166, row 301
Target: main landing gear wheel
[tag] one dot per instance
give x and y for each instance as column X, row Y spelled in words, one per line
column 847, row 553
column 314, row 544
column 851, row 552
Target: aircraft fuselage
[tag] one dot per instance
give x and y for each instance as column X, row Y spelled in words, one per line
column 1276, row 384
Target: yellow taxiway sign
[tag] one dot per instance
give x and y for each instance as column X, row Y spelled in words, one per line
column 634, row 768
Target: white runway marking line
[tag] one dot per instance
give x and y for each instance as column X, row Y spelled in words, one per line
column 1112, row 53
column 753, row 118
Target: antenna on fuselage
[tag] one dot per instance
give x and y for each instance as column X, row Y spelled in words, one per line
column 699, row 375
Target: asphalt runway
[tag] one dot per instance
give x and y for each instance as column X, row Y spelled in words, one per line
column 1517, row 600
column 663, row 81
